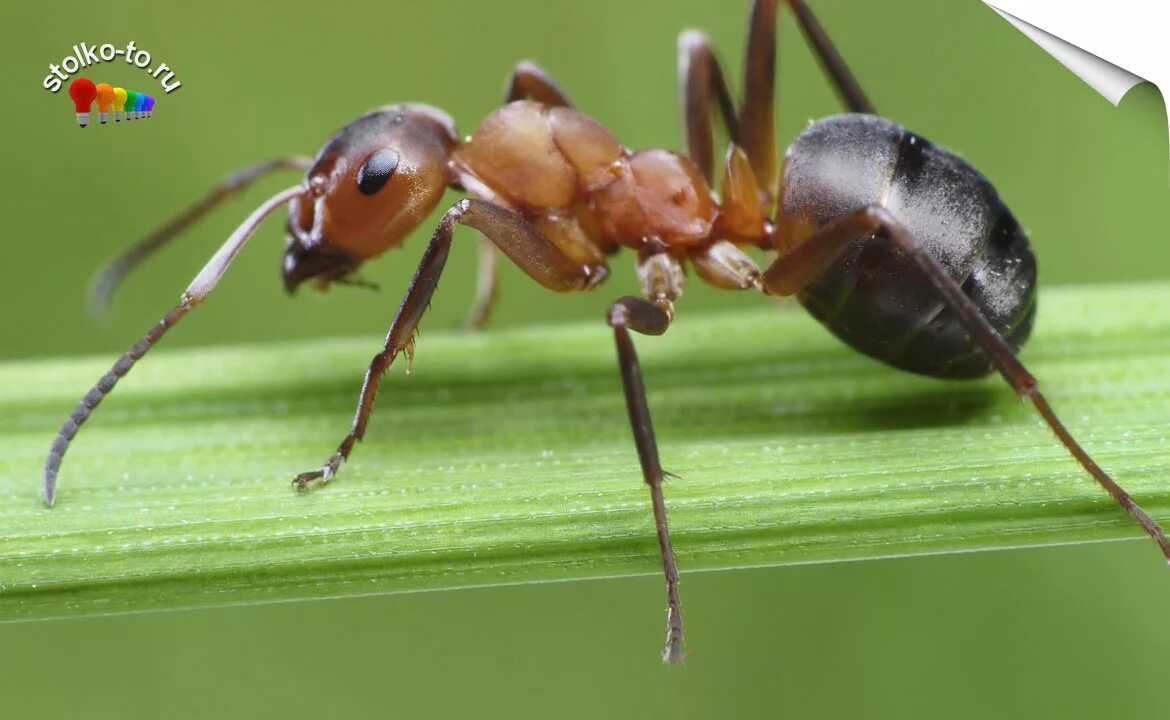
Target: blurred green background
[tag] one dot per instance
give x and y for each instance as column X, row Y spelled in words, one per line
column 1077, row 632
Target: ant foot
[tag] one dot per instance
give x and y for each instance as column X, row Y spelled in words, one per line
column 673, row 652
column 323, row 475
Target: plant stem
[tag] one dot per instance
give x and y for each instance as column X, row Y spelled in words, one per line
column 506, row 458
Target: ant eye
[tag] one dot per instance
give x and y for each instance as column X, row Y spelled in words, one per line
column 376, row 171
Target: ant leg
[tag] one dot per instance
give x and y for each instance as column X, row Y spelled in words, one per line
column 742, row 213
column 564, row 231
column 834, row 65
column 757, row 125
column 527, row 81
column 195, row 293
column 752, row 152
column 661, row 278
column 528, row 247
column 647, row 318
column 700, row 78
column 115, row 271
column 799, row 266
column 487, row 286
column 702, row 90
column 723, row 265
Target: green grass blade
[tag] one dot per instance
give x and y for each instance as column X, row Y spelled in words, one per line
column 506, row 458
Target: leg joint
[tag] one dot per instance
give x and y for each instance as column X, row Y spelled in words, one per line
column 617, row 316
column 638, row 314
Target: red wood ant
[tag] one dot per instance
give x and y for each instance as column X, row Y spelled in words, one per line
column 898, row 246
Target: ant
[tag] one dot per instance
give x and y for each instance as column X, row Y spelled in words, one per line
column 897, row 245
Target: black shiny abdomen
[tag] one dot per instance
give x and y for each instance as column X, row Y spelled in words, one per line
column 873, row 298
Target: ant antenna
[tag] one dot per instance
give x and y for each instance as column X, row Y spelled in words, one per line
column 115, row 271
column 195, row 293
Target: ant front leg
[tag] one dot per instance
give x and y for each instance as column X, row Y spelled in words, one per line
column 662, row 279
column 804, row 263
column 520, row 240
column 528, row 81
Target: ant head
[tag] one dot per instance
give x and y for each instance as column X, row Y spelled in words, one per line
column 371, row 184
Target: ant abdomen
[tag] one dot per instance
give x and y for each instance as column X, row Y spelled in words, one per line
column 873, row 297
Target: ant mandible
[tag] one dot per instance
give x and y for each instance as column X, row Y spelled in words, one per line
column 901, row 248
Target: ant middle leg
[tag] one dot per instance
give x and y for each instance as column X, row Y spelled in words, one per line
column 527, row 81
column 487, row 286
column 791, row 272
column 540, row 257
column 722, row 265
column 703, row 91
column 703, row 86
column 662, row 278
column 757, row 122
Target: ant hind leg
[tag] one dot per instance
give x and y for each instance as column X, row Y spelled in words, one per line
column 792, row 271
column 648, row 318
column 662, row 280
column 844, row 82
